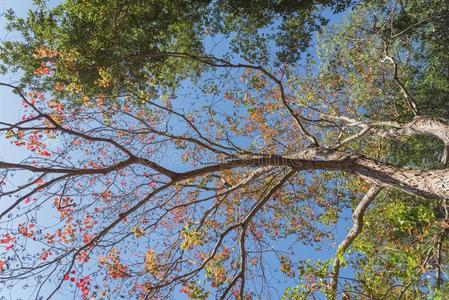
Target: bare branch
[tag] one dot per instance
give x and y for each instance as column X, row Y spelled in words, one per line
column 410, row 101
column 357, row 226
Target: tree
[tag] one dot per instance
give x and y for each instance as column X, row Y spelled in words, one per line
column 382, row 270
column 202, row 179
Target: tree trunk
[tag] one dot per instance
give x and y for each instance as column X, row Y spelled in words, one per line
column 432, row 184
column 429, row 184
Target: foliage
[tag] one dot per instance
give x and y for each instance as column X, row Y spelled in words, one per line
column 160, row 165
column 109, row 46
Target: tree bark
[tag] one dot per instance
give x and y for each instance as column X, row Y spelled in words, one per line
column 433, row 184
column 428, row 184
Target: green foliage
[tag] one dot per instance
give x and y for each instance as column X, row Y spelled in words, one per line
column 191, row 238
column 423, row 25
column 111, row 47
column 313, row 279
column 390, row 259
column 110, row 51
column 394, row 245
column 105, row 46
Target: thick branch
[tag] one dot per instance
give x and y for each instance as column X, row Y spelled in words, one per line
column 418, row 126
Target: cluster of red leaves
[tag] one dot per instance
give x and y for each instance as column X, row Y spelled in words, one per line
column 47, row 56
column 142, row 288
column 26, row 231
column 64, row 206
column 32, row 140
column 83, row 283
column 43, row 69
column 34, row 97
column 44, row 256
column 87, row 238
column 67, row 235
column 57, row 106
column 9, row 240
column 35, row 144
column 82, row 257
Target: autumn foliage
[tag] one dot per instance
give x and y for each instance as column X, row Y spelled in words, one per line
column 215, row 180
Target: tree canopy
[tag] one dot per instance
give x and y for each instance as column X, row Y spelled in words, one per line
column 133, row 42
column 201, row 148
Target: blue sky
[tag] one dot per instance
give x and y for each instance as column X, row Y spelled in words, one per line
column 10, row 111
column 10, row 105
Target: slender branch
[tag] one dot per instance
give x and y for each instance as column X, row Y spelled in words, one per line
column 33, row 191
column 244, row 224
column 64, row 129
column 445, row 156
column 220, row 63
column 410, row 101
column 441, row 238
column 357, row 226
column 352, row 137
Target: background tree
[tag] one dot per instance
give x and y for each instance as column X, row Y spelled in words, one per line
column 413, row 35
column 157, row 166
